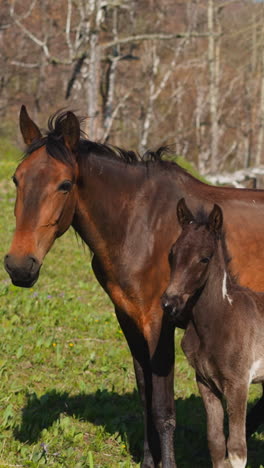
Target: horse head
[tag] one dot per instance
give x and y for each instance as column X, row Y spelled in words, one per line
column 190, row 257
column 46, row 194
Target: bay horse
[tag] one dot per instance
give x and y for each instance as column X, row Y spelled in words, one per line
column 123, row 207
column 224, row 338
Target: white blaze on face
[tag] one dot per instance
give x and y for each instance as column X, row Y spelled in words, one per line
column 224, row 290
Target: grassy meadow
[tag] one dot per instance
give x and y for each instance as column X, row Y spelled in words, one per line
column 67, row 387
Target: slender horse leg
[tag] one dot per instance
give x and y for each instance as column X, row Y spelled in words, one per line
column 151, row 438
column 155, row 383
column 140, row 353
column 163, row 408
column 215, row 424
column 139, row 350
column 236, row 397
column 256, row 415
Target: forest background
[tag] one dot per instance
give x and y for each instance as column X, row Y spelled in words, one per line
column 145, row 72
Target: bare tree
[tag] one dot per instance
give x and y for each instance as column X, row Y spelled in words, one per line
column 260, row 137
column 214, row 69
column 145, row 73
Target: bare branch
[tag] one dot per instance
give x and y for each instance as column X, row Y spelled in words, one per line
column 37, row 41
column 155, row 36
column 68, row 28
column 113, row 116
column 24, row 64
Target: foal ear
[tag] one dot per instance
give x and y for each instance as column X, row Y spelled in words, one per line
column 183, row 213
column 70, row 129
column 215, row 220
column 28, row 128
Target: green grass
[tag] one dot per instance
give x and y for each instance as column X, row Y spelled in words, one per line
column 67, row 387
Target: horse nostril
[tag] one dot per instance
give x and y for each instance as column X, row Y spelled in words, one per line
column 6, row 262
column 33, row 263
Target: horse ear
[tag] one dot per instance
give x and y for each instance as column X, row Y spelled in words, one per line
column 70, row 129
column 215, row 220
column 28, row 128
column 183, row 213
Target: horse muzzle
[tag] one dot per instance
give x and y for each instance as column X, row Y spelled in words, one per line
column 23, row 271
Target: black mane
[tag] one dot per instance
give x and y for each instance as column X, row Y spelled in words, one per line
column 55, row 146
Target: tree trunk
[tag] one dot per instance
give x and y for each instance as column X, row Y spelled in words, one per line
column 213, row 63
column 259, row 149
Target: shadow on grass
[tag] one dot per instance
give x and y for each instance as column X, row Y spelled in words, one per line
column 122, row 414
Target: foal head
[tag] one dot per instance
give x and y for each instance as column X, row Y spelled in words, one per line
column 46, row 194
column 190, row 257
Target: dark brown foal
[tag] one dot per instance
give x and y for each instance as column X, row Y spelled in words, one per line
column 224, row 338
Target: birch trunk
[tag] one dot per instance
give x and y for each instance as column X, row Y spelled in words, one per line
column 95, row 10
column 259, row 150
column 213, row 57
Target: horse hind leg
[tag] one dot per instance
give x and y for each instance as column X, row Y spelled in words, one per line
column 255, row 416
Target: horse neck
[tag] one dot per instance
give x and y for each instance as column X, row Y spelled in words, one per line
column 217, row 292
column 107, row 189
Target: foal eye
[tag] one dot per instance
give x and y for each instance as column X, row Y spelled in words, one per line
column 65, row 186
column 14, row 179
column 205, row 260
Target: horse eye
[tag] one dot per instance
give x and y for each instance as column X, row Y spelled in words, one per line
column 14, row 179
column 65, row 186
column 205, row 260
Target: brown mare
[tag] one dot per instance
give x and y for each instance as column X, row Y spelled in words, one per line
column 224, row 339
column 124, row 209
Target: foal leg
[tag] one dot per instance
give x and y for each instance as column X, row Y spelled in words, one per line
column 236, row 397
column 215, row 424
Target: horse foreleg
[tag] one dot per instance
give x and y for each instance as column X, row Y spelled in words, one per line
column 154, row 368
column 215, row 424
column 256, row 415
column 159, row 416
column 141, row 359
column 152, row 453
column 163, row 408
column 236, row 397
column 164, row 416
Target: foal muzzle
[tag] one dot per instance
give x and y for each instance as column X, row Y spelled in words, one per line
column 173, row 305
